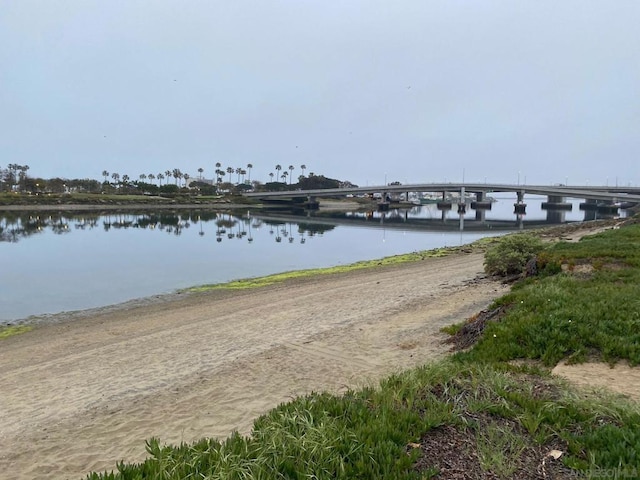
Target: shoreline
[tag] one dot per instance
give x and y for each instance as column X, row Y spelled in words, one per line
column 325, row 204
column 87, row 393
column 229, row 286
column 78, row 207
column 571, row 232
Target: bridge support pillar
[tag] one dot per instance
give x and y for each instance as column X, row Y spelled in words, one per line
column 520, row 208
column 481, row 202
column 462, row 206
column 556, row 202
column 312, row 203
column 608, row 208
column 555, row 215
column 444, row 204
column 589, row 204
column 593, row 209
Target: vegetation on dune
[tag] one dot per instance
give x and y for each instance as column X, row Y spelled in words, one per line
column 589, row 309
column 510, row 420
column 11, row 330
column 511, row 254
column 473, row 414
column 296, row 274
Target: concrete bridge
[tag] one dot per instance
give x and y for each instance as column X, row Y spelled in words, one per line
column 594, row 196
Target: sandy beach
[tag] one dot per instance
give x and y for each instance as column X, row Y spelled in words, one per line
column 83, row 393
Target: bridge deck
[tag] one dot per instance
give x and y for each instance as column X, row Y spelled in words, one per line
column 610, row 194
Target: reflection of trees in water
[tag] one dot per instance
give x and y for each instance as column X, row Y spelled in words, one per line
column 225, row 223
column 286, row 230
column 83, row 223
column 60, row 227
column 314, row 228
column 15, row 226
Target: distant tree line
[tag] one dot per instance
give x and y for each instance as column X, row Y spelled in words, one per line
column 14, row 178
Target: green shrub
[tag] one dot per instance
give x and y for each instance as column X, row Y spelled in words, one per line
column 511, row 253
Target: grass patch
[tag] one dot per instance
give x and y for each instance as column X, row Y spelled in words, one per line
column 572, row 315
column 282, row 277
column 113, row 199
column 387, row 432
column 11, row 330
column 477, row 246
column 76, row 198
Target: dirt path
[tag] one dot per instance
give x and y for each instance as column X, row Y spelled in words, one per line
column 79, row 396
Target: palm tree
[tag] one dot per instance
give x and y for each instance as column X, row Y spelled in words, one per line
column 143, row 176
column 151, row 177
column 116, row 177
column 14, row 176
column 200, row 170
column 167, row 174
column 160, row 176
column 23, row 176
column 291, row 167
column 105, row 174
column 176, row 174
column 271, row 175
column 284, row 176
column 230, row 171
column 278, row 168
column 11, row 175
column 238, row 172
column 303, row 168
column 186, row 179
column 249, row 167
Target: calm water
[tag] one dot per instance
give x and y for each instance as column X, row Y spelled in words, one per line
column 64, row 262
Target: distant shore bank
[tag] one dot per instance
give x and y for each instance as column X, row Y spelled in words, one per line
column 328, row 204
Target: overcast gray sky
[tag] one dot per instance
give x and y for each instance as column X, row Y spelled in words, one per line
column 414, row 91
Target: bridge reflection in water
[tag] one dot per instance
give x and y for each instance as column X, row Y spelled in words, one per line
column 428, row 218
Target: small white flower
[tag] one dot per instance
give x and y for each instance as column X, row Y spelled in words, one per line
column 494, row 335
